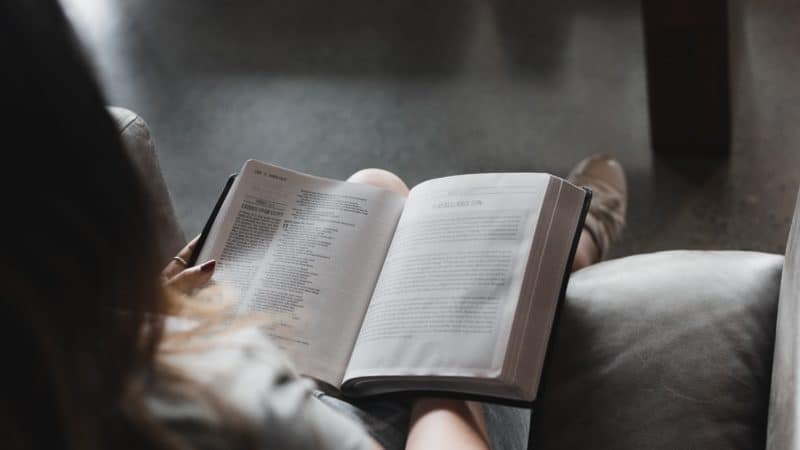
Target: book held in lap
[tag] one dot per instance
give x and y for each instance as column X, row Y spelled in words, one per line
column 453, row 288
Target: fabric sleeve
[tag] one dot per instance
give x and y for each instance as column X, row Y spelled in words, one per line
column 252, row 377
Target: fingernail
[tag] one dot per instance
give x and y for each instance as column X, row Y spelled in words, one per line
column 209, row 266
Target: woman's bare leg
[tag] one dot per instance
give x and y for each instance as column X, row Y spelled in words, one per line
column 434, row 422
column 587, row 252
column 606, row 218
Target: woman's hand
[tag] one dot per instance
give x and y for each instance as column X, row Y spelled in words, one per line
column 186, row 279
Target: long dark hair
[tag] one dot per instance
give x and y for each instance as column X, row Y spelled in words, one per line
column 79, row 283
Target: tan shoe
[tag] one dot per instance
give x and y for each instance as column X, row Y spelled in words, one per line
column 606, row 218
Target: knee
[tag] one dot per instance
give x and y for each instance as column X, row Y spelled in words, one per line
column 380, row 178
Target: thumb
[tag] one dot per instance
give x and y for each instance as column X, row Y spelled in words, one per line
column 193, row 277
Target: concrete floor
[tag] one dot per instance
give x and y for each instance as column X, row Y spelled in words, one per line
column 428, row 89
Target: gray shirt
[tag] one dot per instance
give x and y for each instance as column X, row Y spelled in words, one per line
column 253, row 379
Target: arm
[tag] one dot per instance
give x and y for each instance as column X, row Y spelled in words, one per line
column 445, row 423
column 303, row 420
column 435, row 423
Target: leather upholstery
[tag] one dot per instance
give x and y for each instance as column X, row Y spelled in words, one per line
column 137, row 140
column 666, row 350
column 782, row 429
column 663, row 351
column 659, row 351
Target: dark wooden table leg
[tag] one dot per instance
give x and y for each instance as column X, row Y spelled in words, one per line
column 688, row 86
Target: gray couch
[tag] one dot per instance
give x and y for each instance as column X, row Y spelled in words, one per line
column 669, row 350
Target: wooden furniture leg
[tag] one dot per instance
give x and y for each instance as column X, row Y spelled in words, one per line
column 688, row 86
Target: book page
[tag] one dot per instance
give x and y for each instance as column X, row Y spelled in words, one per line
column 446, row 297
column 306, row 251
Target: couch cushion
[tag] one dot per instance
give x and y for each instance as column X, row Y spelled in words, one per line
column 138, row 142
column 661, row 351
column 783, row 427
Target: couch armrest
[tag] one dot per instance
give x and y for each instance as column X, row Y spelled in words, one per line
column 784, row 398
column 138, row 142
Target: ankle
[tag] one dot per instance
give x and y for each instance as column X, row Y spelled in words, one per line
column 606, row 217
column 587, row 252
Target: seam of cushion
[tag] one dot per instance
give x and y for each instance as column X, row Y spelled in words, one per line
column 125, row 127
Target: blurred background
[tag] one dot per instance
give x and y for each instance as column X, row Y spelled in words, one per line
column 433, row 88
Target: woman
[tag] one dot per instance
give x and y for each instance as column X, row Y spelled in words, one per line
column 84, row 299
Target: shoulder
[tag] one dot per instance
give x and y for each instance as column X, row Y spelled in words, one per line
column 247, row 375
column 242, row 366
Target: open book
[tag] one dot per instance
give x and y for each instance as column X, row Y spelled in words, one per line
column 453, row 288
